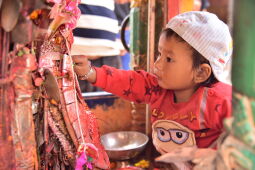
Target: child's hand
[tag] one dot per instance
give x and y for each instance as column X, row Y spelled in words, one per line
column 83, row 68
column 81, row 65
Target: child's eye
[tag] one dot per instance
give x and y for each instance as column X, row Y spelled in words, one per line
column 168, row 59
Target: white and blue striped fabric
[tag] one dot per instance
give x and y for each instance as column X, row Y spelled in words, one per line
column 97, row 29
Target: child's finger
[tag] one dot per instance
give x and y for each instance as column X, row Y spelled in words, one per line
column 79, row 70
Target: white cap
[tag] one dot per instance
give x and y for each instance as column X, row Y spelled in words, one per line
column 209, row 36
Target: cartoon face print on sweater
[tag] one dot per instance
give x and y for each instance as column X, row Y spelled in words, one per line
column 168, row 135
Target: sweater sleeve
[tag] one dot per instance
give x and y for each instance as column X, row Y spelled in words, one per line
column 222, row 112
column 219, row 106
column 137, row 86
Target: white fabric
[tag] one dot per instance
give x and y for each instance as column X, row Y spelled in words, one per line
column 99, row 46
column 209, row 36
column 95, row 22
column 104, row 3
column 95, row 47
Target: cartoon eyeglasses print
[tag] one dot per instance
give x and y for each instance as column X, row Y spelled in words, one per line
column 176, row 135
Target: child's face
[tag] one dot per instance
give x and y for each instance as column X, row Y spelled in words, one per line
column 173, row 66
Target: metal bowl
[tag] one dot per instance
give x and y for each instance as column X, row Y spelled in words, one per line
column 124, row 144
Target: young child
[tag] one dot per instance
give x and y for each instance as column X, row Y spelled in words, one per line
column 189, row 88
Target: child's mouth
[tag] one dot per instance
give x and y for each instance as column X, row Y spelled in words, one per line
column 157, row 76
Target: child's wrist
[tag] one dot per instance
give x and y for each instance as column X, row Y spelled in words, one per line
column 87, row 75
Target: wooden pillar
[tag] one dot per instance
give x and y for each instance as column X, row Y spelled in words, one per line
column 243, row 78
column 7, row 157
column 147, row 19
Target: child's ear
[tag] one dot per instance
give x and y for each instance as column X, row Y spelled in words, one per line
column 202, row 73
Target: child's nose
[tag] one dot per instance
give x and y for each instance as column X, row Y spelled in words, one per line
column 158, row 64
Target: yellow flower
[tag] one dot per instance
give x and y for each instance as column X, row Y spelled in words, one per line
column 142, row 164
column 35, row 14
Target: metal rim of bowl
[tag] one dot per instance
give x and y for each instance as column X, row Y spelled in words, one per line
column 138, row 146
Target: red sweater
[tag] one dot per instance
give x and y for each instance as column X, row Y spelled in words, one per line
column 203, row 113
